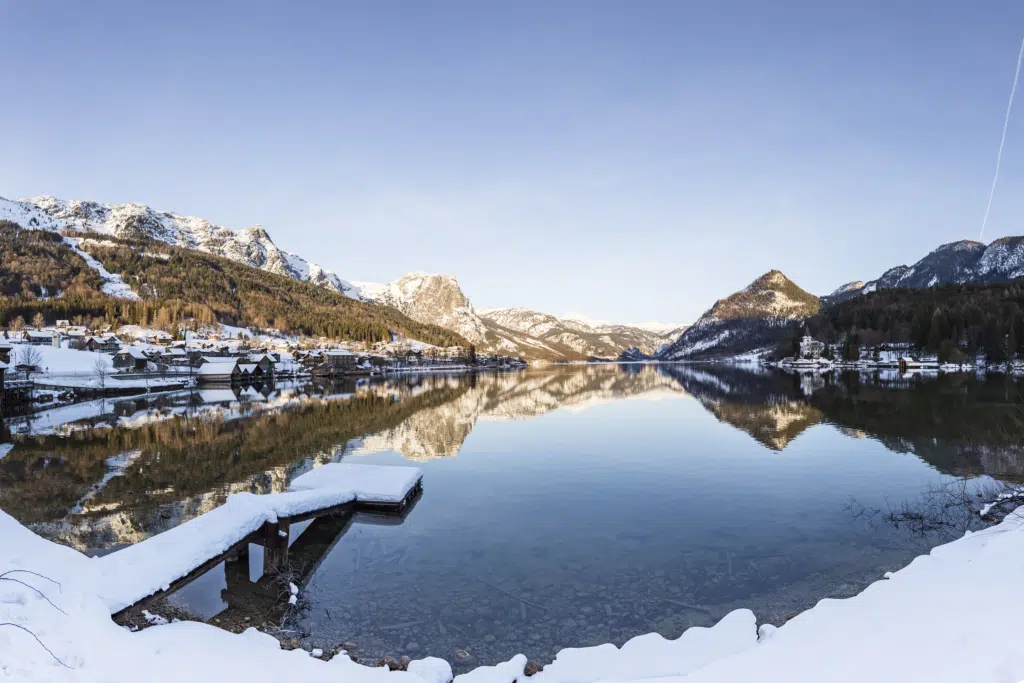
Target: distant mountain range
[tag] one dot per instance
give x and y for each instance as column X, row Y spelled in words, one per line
column 439, row 300
column 593, row 339
column 431, row 299
column 954, row 263
column 748, row 320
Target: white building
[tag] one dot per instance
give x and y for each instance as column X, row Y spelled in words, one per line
column 810, row 347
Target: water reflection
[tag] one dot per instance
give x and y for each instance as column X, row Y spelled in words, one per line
column 561, row 507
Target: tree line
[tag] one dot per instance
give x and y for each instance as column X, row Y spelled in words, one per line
column 955, row 322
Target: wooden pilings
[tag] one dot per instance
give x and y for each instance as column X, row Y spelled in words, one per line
column 274, row 539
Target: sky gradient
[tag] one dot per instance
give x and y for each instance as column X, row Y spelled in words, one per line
column 631, row 161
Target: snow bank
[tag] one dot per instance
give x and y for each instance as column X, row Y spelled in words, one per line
column 61, row 360
column 135, row 572
column 652, row 656
column 643, row 658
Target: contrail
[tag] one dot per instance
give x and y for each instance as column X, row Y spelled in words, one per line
column 1002, row 141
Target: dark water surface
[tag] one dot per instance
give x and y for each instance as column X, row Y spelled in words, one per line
column 561, row 508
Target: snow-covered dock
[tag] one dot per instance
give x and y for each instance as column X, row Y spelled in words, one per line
column 166, row 561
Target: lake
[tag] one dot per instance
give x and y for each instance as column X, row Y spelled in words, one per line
column 561, row 507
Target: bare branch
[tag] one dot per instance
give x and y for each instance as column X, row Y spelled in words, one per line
column 41, row 643
column 4, row 578
column 26, row 571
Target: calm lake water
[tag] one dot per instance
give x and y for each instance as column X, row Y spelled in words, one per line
column 563, row 507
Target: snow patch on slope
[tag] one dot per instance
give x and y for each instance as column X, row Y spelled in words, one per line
column 113, row 284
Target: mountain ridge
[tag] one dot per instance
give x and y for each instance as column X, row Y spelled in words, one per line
column 754, row 315
column 599, row 340
column 252, row 245
column 959, row 262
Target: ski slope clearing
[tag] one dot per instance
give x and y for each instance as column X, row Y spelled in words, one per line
column 113, row 284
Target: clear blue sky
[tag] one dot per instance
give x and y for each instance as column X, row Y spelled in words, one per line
column 628, row 160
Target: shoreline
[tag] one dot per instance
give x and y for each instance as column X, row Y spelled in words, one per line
column 892, row 619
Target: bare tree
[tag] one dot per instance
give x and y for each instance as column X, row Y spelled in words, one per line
column 30, row 357
column 18, row 324
column 100, row 368
column 38, row 321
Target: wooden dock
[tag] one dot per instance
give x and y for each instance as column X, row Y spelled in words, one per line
column 296, row 557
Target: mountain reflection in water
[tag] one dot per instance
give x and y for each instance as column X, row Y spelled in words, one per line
column 723, row 487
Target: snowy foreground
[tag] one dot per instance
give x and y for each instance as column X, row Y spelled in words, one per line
column 951, row 616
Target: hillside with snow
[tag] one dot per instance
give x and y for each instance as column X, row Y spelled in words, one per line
column 749, row 319
column 251, row 246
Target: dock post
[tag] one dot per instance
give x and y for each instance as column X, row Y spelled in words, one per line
column 275, row 547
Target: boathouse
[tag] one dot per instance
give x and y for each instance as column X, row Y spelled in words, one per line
column 219, row 373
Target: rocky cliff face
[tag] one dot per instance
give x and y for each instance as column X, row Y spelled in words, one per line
column 439, row 300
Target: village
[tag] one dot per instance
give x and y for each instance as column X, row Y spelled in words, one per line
column 814, row 355
column 41, row 364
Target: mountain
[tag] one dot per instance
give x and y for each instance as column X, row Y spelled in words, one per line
column 964, row 262
column 437, row 299
column 121, row 281
column 752, row 318
column 251, row 246
column 589, row 338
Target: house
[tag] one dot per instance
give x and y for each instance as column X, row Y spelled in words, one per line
column 42, row 338
column 219, row 373
column 811, row 347
column 131, row 359
column 63, row 324
column 74, row 333
column 104, row 344
column 311, row 359
column 111, row 341
column 336, row 362
column 175, row 356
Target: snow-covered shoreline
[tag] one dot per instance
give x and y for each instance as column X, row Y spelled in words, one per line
column 950, row 615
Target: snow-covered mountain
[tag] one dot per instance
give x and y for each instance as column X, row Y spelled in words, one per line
column 428, row 298
column 954, row 263
column 745, row 320
column 252, row 245
column 439, row 300
column 591, row 338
